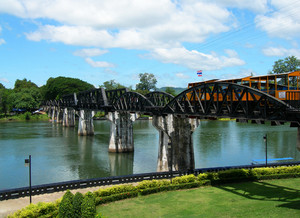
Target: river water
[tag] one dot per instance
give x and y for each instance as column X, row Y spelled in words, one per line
column 59, row 154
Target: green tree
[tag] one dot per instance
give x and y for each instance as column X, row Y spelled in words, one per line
column 28, row 98
column 289, row 64
column 88, row 206
column 112, row 84
column 77, row 201
column 57, row 87
column 147, row 83
column 5, row 100
column 23, row 84
column 66, row 208
column 171, row 91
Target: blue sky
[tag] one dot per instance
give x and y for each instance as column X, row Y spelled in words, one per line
column 100, row 40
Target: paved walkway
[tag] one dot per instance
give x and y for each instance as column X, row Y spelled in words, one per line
column 9, row 206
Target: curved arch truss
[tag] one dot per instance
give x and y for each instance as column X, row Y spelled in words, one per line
column 159, row 99
column 133, row 101
column 227, row 100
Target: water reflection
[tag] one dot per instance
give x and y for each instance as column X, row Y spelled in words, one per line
column 121, row 164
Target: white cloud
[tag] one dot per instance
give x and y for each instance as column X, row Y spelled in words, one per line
column 197, row 60
column 160, row 27
column 90, row 52
column 281, row 52
column 4, row 80
column 283, row 21
column 182, row 76
column 143, row 25
column 98, row 63
column 2, row 41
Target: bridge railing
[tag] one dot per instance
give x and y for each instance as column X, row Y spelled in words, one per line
column 85, row 183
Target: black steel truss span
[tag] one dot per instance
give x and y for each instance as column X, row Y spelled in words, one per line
column 210, row 100
column 133, row 102
column 94, row 99
column 228, row 100
column 159, row 99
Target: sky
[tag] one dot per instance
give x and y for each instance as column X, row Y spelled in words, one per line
column 101, row 40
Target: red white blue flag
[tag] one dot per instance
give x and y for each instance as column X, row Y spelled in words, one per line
column 199, row 72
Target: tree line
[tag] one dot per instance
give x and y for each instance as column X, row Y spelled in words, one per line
column 28, row 96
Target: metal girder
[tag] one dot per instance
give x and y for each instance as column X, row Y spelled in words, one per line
column 159, row 99
column 228, row 100
column 133, row 102
column 114, row 95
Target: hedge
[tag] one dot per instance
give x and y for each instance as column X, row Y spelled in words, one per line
column 116, row 197
column 119, row 192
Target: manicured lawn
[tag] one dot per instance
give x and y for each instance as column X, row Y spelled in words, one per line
column 270, row 198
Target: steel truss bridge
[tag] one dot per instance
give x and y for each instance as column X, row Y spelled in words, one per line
column 206, row 101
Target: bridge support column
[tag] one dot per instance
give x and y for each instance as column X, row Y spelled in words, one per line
column 59, row 115
column 69, row 117
column 298, row 139
column 86, row 125
column 176, row 150
column 53, row 115
column 121, row 131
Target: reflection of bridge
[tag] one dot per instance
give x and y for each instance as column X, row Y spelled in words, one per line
column 175, row 117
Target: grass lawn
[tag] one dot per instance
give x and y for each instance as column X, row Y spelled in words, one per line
column 269, row 198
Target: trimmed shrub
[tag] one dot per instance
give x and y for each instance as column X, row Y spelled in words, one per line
column 116, row 197
column 37, row 210
column 202, row 176
column 77, row 201
column 184, row 179
column 88, row 206
column 235, row 175
column 114, row 190
column 152, row 184
column 277, row 172
column 66, row 208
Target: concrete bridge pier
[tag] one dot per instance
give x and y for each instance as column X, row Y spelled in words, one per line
column 69, row 117
column 298, row 139
column 59, row 115
column 53, row 113
column 121, row 131
column 176, row 150
column 86, row 125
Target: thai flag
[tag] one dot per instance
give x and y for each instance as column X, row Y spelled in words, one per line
column 199, row 72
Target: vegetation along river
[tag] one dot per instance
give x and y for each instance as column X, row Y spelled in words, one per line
column 59, row 154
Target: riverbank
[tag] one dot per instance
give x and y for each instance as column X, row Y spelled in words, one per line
column 24, row 117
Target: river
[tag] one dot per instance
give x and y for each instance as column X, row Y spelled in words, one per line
column 59, row 154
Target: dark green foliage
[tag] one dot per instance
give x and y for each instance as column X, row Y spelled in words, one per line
column 289, row 64
column 5, row 100
column 88, row 206
column 171, row 91
column 147, row 83
column 77, row 201
column 111, row 84
column 170, row 188
column 66, row 208
column 24, row 84
column 57, row 87
column 2, row 86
